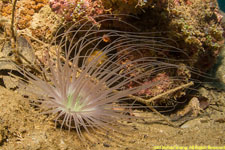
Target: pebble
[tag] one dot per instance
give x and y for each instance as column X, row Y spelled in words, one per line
column 191, row 123
column 220, row 72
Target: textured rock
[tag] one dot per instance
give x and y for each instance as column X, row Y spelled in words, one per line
column 220, row 73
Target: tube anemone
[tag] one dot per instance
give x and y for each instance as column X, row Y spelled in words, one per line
column 88, row 93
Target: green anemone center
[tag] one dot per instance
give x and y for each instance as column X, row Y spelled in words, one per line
column 74, row 105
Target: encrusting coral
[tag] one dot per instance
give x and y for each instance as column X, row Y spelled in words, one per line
column 196, row 24
column 24, row 12
column 73, row 10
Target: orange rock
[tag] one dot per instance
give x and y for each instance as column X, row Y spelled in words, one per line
column 30, row 12
column 7, row 10
column 41, row 1
column 38, row 7
column 23, row 22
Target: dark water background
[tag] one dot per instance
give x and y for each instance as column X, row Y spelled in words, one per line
column 221, row 4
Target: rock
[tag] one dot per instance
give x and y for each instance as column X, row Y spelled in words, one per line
column 220, row 72
column 191, row 123
column 24, row 48
column 45, row 23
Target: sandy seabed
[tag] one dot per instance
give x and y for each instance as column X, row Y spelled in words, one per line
column 24, row 128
